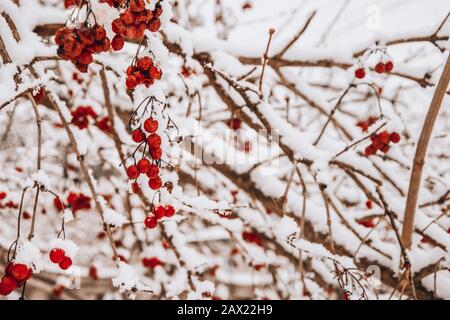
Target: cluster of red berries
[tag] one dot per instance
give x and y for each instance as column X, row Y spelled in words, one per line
column 15, row 276
column 252, row 237
column 69, row 3
column 144, row 166
column 59, row 257
column 75, row 201
column 133, row 22
column 380, row 67
column 9, row 204
column 79, row 44
column 144, row 71
column 80, row 116
column 381, row 142
column 365, row 124
column 159, row 212
column 152, row 262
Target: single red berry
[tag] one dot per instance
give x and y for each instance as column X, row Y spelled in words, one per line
column 378, row 144
column 360, row 73
column 154, row 141
column 57, row 255
column 155, row 183
column 156, row 153
column 135, row 187
column 153, row 171
column 19, row 271
column 384, row 137
column 143, row 166
column 370, row 150
column 155, row 72
column 137, row 5
column 159, row 212
column 7, row 285
column 117, row 42
column 150, row 125
column 144, row 63
column 394, row 137
column 150, row 222
column 169, row 211
column 3, row 195
column 138, row 136
column 380, row 67
column 157, row 12
column 131, row 82
column 369, row 204
column 65, row 263
column 93, row 272
column 385, row 148
column 154, row 25
column 389, row 66
column 133, row 172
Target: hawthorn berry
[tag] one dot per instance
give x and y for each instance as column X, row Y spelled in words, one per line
column 155, row 183
column 380, row 67
column 57, row 255
column 156, row 153
column 138, row 136
column 150, row 222
column 154, row 141
column 133, row 172
column 143, row 166
column 369, row 204
column 7, row 285
column 150, row 125
column 18, row 271
column 169, row 211
column 131, row 82
column 360, row 73
column 153, row 171
column 154, row 25
column 394, row 137
column 135, row 187
column 370, row 150
column 65, row 263
column 159, row 212
column 117, row 42
column 388, row 66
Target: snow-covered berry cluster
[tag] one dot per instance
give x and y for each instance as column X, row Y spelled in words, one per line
column 158, row 213
column 381, row 142
column 143, row 71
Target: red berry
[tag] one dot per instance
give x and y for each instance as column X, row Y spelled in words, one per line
column 380, row 67
column 150, row 125
column 143, row 166
column 385, row 148
column 57, row 255
column 155, row 183
column 153, row 171
column 169, row 211
column 157, row 12
column 144, row 63
column 384, row 137
column 389, row 66
column 394, row 137
column 65, row 263
column 7, row 285
column 360, row 73
column 154, row 141
column 3, row 195
column 131, row 82
column 18, row 271
column 369, row 204
column 137, row 5
column 135, row 187
column 133, row 172
column 154, row 25
column 378, row 144
column 138, row 136
column 156, row 153
column 117, row 42
column 155, row 72
column 150, row 222
column 370, row 150
column 159, row 212
column 93, row 272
